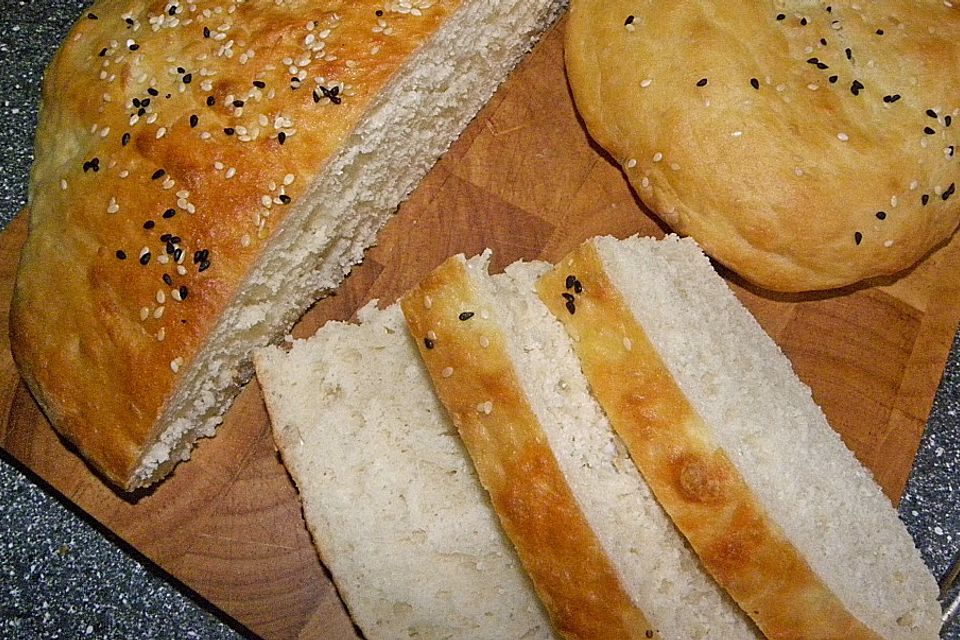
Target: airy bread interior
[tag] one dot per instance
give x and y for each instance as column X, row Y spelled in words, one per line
column 388, row 492
column 809, row 483
column 656, row 567
column 432, row 98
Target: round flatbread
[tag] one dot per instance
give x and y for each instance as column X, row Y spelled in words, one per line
column 805, row 145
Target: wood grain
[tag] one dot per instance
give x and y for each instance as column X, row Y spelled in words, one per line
column 525, row 180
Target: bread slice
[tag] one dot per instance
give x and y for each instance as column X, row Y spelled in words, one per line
column 203, row 174
column 602, row 554
column 389, row 495
column 733, row 446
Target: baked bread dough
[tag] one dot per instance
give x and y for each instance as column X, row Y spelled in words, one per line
column 204, row 171
column 805, row 145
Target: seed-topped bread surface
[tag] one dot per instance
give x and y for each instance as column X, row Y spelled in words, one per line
column 805, row 145
column 203, row 171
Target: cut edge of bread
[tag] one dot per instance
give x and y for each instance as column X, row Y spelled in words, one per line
column 418, row 115
column 391, row 500
column 796, row 466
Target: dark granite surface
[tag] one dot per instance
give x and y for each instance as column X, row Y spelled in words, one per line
column 62, row 576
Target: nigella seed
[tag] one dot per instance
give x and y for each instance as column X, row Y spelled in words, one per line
column 260, row 84
column 153, row 92
column 466, row 315
column 428, row 343
column 833, row 79
column 194, row 120
column 569, row 281
column 858, row 237
column 187, row 79
column 103, row 52
column 781, row 16
column 229, row 131
column 206, row 32
column 149, row 224
column 891, row 98
column 924, row 199
column 855, row 87
column 238, row 103
column 879, row 32
column 92, row 16
column 849, row 53
column 803, row 22
column 947, row 120
column 881, row 215
column 121, row 254
column 211, row 101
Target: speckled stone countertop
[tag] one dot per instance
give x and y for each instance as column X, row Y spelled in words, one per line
column 62, row 576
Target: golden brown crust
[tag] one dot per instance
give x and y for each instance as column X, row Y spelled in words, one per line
column 157, row 109
column 476, row 382
column 689, row 474
column 804, row 145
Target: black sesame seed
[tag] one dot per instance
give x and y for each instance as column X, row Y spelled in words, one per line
column 173, row 10
column 169, row 213
column 134, row 46
column 121, row 254
column 259, row 84
column 568, row 297
column 754, row 83
column 204, row 266
column 159, row 173
column 702, row 82
column 950, row 150
column 568, row 283
column 211, row 101
column 833, row 79
column 629, row 20
column 92, row 16
column 281, row 137
column 803, row 22
column 855, row 87
column 229, row 131
column 167, row 279
column 858, row 237
column 135, row 102
column 949, row 192
column 466, row 315
column 571, row 307
column 187, row 79
column 822, row 65
column 823, row 41
column 577, row 287
column 145, row 258
column 166, row 237
column 284, row 198
column 141, row 111
column 781, row 16
column 206, row 32
column 183, row 292
column 181, row 70
column 153, row 92
column 891, row 99
column 881, row 215
column 149, row 224
column 931, row 113
column 929, row 131
column 813, row 60
column 947, row 120
column 238, row 103
column 177, row 253
column 849, row 53
column 924, row 199
column 428, row 343
column 316, row 96
column 125, row 139
column 170, row 248
column 175, row 239
column 103, row 52
column 194, row 119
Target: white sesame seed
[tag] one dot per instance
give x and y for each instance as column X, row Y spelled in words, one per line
column 631, row 163
column 175, row 364
column 124, row 173
column 798, row 171
column 175, row 294
column 914, row 184
column 842, row 137
column 893, row 201
column 486, row 408
column 674, row 166
column 163, row 258
column 113, row 207
column 736, row 134
column 645, row 182
column 657, row 157
column 161, row 334
column 627, row 343
column 161, row 297
column 158, row 312
column 288, row 179
column 63, row 184
column 646, row 82
column 813, row 86
column 245, row 240
column 427, row 302
column 447, row 372
column 230, row 173
column 484, row 342
column 218, row 165
column 144, row 313
column 181, row 270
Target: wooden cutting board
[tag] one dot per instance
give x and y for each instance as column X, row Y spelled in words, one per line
column 526, row 181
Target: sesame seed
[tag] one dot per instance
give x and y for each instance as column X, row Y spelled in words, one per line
column 121, row 254
column 427, row 302
column 881, row 215
column 924, row 199
column 646, row 82
column 657, row 157
column 929, row 131
column 466, row 315
column 932, row 114
column 144, row 313
column 447, row 372
column 842, row 137
column 754, row 83
column 627, row 343
column 159, row 173
column 702, row 82
column 175, row 364
column 161, row 297
column 857, row 238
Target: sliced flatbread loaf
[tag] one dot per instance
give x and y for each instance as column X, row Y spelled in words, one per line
column 389, row 495
column 735, row 448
